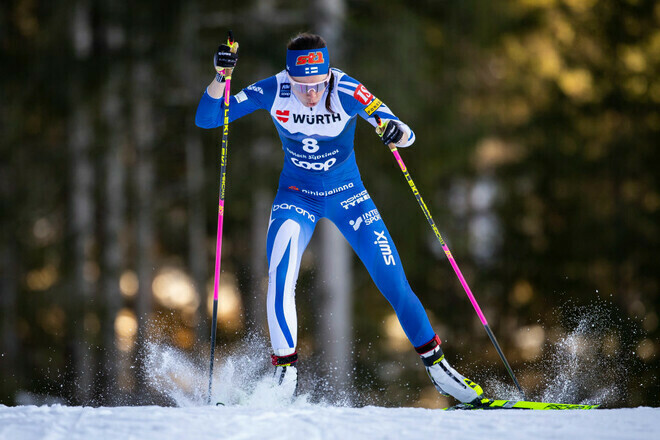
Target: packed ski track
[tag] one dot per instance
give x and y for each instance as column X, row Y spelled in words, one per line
column 320, row 422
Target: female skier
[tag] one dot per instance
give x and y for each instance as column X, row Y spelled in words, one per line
column 314, row 109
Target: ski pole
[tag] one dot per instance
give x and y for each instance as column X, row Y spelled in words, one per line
column 450, row 257
column 221, row 208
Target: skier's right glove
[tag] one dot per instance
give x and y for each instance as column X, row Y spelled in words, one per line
column 393, row 133
column 224, row 60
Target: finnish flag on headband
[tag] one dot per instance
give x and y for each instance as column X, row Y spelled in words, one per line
column 307, row 62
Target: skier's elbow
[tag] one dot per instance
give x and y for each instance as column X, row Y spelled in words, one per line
column 203, row 121
column 208, row 112
column 411, row 138
column 408, row 137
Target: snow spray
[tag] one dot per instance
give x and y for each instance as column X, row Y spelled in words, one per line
column 243, row 377
column 587, row 360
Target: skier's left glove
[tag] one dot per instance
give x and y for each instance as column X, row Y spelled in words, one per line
column 394, row 133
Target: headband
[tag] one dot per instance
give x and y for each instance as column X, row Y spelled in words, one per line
column 307, row 62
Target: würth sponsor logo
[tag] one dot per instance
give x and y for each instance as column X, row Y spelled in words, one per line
column 311, row 58
column 316, row 119
column 385, row 248
column 282, row 115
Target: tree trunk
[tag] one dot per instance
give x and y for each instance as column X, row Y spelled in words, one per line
column 113, row 223
column 143, row 179
column 81, row 208
column 336, row 269
column 262, row 195
column 8, row 289
column 256, row 300
column 197, row 252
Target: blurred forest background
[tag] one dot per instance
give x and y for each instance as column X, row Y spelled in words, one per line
column 537, row 128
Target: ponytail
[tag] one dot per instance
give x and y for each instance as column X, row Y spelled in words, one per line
column 328, row 97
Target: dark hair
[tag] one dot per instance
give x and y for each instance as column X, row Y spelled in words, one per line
column 306, row 40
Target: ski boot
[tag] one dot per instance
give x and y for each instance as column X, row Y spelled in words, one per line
column 446, row 380
column 285, row 376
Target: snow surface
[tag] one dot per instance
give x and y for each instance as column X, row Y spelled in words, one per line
column 320, row 422
column 575, row 372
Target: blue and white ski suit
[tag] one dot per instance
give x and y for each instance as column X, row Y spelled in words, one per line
column 320, row 178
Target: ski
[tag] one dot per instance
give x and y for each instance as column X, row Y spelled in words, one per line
column 517, row 404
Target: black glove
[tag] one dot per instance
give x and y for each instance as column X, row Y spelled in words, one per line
column 224, row 58
column 392, row 134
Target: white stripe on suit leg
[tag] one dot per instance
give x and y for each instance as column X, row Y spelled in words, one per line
column 287, row 236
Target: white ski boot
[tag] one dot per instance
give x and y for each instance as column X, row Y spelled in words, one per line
column 447, row 381
column 285, row 376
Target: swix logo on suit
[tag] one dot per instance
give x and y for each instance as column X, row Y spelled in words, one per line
column 385, row 248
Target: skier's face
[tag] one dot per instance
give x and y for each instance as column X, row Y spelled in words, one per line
column 309, row 89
